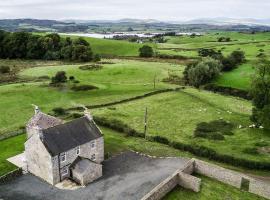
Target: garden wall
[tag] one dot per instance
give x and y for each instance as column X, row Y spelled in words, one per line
column 181, row 177
column 233, row 178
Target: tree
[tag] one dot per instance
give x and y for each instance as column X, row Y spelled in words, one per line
column 82, row 53
column 261, row 94
column 146, row 51
column 202, row 72
column 210, row 53
column 60, row 77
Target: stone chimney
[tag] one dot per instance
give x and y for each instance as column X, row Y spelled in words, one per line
column 88, row 114
column 36, row 109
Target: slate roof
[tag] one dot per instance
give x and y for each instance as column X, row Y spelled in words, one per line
column 43, row 121
column 63, row 137
column 81, row 165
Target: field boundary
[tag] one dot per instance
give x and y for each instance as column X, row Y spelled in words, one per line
column 128, row 99
column 197, row 150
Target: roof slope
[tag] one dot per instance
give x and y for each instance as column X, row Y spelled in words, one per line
column 63, row 137
column 43, row 121
column 82, row 165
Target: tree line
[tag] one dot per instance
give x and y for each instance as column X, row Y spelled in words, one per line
column 25, row 45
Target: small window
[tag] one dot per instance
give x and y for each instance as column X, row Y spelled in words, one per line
column 78, row 150
column 93, row 144
column 64, row 171
column 93, row 157
column 63, row 157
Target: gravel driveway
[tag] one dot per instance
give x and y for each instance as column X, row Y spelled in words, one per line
column 128, row 176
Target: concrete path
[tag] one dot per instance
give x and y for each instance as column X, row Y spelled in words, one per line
column 128, row 176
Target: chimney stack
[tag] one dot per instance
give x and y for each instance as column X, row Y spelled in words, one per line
column 36, row 109
column 87, row 114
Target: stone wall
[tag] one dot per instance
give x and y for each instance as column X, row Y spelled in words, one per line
column 233, row 178
column 260, row 188
column 189, row 182
column 226, row 176
column 163, row 188
column 181, row 177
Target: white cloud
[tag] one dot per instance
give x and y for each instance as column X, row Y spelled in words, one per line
column 115, row 9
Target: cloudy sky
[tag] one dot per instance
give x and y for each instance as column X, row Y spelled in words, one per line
column 141, row 9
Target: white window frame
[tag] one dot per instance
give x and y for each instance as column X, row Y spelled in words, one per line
column 64, row 171
column 63, row 155
column 93, row 157
column 78, row 150
column 93, row 144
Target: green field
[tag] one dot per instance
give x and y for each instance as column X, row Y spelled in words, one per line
column 175, row 116
column 251, row 44
column 117, row 81
column 212, row 189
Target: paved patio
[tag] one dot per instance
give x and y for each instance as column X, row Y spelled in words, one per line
column 128, row 176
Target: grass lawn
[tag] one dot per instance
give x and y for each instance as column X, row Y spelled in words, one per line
column 175, row 116
column 211, row 190
column 8, row 148
column 239, row 78
column 117, row 81
column 109, row 47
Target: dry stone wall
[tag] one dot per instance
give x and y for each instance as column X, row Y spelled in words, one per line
column 189, row 182
column 233, row 178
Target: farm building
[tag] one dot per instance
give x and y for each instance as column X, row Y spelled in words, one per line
column 55, row 151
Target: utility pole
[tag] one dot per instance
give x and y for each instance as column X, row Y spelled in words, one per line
column 145, row 122
column 155, row 81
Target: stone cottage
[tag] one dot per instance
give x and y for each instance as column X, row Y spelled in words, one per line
column 55, row 150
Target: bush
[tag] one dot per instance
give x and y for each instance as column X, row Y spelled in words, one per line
column 146, row 51
column 200, row 73
column 60, row 77
column 84, row 88
column 97, row 58
column 59, row 111
column 4, row 69
column 160, row 139
column 214, row 130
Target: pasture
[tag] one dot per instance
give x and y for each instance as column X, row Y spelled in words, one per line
column 175, row 116
column 120, row 80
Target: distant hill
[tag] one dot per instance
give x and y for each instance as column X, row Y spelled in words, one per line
column 139, row 25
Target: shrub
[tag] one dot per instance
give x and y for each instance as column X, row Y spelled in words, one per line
column 60, row 77
column 75, row 115
column 214, row 130
column 59, row 111
column 200, row 73
column 160, row 139
column 84, row 88
column 250, row 150
column 4, row 69
column 146, row 51
column 71, row 78
column 97, row 58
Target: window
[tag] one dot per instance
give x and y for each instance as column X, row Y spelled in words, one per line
column 93, row 144
column 63, row 157
column 64, row 171
column 78, row 150
column 93, row 157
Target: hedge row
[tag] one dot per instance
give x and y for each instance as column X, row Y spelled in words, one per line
column 126, row 100
column 228, row 91
column 197, row 150
column 11, row 134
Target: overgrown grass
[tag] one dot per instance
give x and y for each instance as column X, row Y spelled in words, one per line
column 212, row 190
